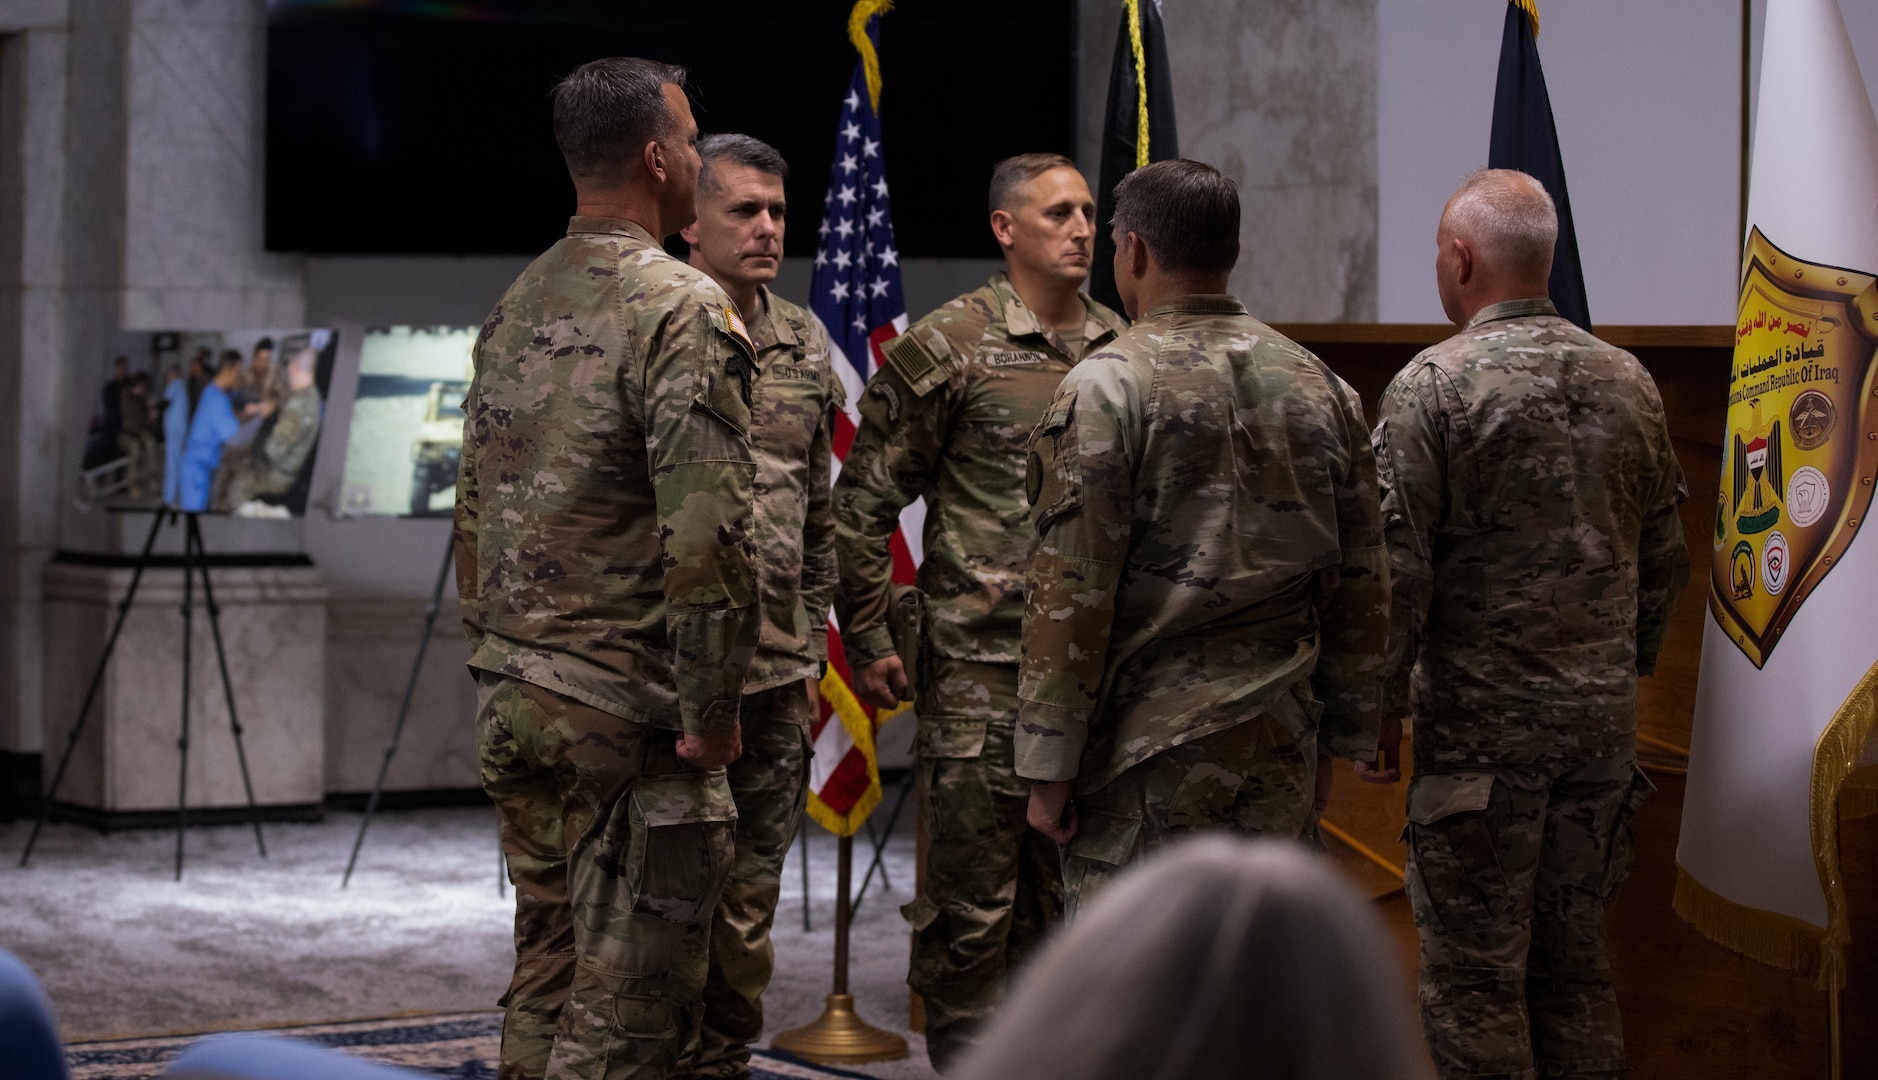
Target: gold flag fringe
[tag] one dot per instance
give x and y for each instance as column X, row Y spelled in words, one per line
column 857, row 34
column 1767, row 936
column 1834, row 759
column 1858, row 798
column 1782, row 940
column 852, row 715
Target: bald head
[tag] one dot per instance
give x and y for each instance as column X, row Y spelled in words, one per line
column 1495, row 242
column 1508, row 219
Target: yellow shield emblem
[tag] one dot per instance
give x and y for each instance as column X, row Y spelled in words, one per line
column 1802, row 442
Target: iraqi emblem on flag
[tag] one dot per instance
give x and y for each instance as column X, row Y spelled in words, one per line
column 1799, row 458
column 855, row 293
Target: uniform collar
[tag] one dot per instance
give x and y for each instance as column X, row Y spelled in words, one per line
column 1197, row 304
column 1512, row 309
column 768, row 328
column 589, row 224
column 1020, row 321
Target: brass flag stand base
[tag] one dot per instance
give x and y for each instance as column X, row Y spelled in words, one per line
column 840, row 1036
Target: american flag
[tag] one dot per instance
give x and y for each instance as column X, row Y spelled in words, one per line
column 855, row 293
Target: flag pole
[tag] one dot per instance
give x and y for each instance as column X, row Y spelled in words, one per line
column 840, row 1036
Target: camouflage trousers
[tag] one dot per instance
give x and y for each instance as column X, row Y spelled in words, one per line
column 1257, row 777
column 617, row 852
column 770, row 786
column 1509, row 874
column 993, row 887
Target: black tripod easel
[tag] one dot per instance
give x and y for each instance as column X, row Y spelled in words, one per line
column 195, row 559
column 404, row 709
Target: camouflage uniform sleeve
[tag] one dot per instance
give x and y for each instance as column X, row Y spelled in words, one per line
column 819, row 571
column 1355, row 622
column 464, row 526
column 698, row 374
column 1411, row 465
column 894, row 460
column 1662, row 557
column 1079, row 479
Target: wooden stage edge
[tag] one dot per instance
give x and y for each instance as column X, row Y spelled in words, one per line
column 1422, row 334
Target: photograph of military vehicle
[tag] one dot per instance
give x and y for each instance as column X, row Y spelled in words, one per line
column 407, row 421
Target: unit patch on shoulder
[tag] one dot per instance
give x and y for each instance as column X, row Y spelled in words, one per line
column 917, row 361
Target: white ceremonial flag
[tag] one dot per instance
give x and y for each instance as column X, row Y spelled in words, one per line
column 1788, row 696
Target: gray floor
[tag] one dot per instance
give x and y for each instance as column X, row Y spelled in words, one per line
column 249, row 942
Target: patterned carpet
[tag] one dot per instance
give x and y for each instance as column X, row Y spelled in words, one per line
column 458, row 1045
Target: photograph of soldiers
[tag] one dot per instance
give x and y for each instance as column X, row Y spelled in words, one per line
column 738, row 240
column 101, row 439
column 210, row 427
column 175, row 431
column 1530, row 494
column 255, row 385
column 282, row 449
column 1208, row 605
column 609, row 597
column 946, row 419
column 136, row 437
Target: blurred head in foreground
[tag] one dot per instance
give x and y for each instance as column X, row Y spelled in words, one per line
column 1220, row 958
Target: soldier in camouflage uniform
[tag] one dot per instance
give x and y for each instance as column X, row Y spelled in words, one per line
column 945, row 419
column 1208, row 606
column 275, row 464
column 1529, row 493
column 738, row 240
column 603, row 553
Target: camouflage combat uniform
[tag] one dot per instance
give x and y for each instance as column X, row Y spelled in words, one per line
column 1209, row 603
column 604, row 562
column 792, row 433
column 946, row 418
column 274, row 465
column 1529, row 494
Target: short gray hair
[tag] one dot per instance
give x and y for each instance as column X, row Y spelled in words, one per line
column 1212, row 954
column 738, row 150
column 1507, row 216
column 606, row 111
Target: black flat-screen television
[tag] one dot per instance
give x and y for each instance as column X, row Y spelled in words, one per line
column 416, row 127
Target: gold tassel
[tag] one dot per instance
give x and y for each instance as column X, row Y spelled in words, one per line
column 857, row 33
column 1141, row 82
column 1531, row 8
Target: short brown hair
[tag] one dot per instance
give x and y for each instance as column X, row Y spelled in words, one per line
column 606, row 111
column 742, row 150
column 1011, row 174
column 1186, row 211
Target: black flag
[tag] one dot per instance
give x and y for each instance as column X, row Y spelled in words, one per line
column 1119, row 134
column 1524, row 138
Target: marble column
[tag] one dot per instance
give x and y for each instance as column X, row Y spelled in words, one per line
column 273, row 625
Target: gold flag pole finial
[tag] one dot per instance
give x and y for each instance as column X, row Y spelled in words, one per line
column 1531, row 8
column 857, row 33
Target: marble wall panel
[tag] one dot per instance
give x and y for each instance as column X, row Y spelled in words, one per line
column 370, row 646
column 273, row 623
column 1280, row 95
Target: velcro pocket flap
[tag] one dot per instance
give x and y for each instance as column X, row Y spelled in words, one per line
column 952, row 737
column 1052, row 474
column 920, row 913
column 1440, row 795
column 1104, row 837
column 684, row 798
